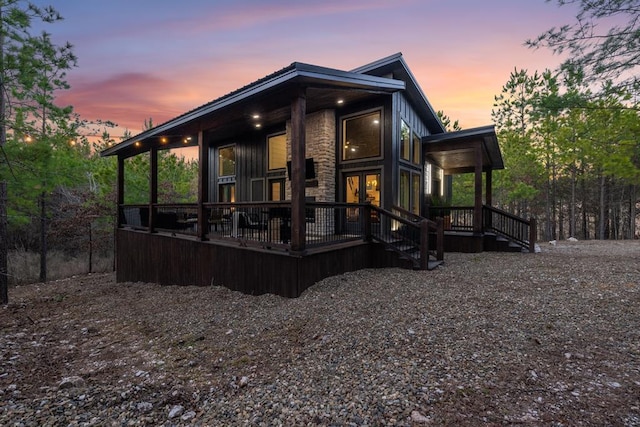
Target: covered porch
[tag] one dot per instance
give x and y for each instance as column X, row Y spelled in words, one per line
column 479, row 227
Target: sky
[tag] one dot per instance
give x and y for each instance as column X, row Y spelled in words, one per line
column 140, row 59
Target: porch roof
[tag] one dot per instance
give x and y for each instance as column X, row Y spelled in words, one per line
column 454, row 151
column 269, row 97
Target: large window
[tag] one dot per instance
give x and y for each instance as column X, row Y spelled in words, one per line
column 277, row 147
column 361, row 136
column 227, row 161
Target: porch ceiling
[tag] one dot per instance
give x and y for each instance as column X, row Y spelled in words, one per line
column 455, row 151
column 260, row 105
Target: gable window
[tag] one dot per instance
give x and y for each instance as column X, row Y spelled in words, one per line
column 227, row 161
column 361, row 137
column 405, row 141
column 277, row 151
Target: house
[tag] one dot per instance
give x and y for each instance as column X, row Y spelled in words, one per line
column 306, row 173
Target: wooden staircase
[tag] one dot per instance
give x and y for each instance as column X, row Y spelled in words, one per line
column 494, row 242
column 413, row 238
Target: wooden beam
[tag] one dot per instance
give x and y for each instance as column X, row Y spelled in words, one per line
column 477, row 206
column 488, row 196
column 203, row 186
column 298, row 221
column 153, row 187
column 120, row 189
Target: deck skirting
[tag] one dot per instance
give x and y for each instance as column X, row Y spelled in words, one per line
column 170, row 260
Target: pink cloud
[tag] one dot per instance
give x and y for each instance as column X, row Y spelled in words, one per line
column 127, row 99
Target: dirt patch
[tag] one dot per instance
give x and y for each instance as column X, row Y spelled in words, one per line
column 537, row 339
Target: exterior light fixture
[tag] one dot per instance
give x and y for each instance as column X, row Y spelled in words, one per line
column 137, row 144
column 163, row 140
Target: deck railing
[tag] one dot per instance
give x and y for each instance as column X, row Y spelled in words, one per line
column 456, row 218
column 268, row 225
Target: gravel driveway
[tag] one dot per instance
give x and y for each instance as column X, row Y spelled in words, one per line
column 547, row 339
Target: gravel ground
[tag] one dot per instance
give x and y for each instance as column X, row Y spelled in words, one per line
column 547, row 339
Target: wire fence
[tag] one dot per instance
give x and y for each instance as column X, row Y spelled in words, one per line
column 73, row 246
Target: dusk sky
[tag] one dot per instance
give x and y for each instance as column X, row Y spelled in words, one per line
column 159, row 58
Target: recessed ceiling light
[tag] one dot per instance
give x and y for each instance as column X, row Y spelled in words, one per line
column 256, row 116
column 258, row 125
column 340, row 101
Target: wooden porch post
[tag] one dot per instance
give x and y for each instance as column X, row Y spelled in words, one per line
column 477, row 207
column 488, row 188
column 298, row 224
column 203, row 186
column 153, row 188
column 120, row 190
column 488, row 199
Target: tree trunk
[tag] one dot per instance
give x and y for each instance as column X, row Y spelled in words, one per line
column 90, row 248
column 4, row 245
column 572, row 208
column 632, row 212
column 602, row 216
column 43, row 238
column 584, row 203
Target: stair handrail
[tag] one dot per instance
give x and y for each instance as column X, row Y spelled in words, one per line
column 416, row 226
column 511, row 226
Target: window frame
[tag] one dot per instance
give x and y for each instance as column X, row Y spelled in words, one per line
column 269, row 138
column 341, row 140
column 219, row 158
column 408, row 146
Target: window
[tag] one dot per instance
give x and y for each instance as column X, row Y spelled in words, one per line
column 361, row 136
column 277, row 151
column 405, row 190
column 405, row 141
column 415, row 196
column 227, row 193
column 227, row 161
column 276, row 189
column 416, row 149
column 409, row 194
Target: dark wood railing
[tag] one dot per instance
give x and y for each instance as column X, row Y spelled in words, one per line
column 268, row 225
column 409, row 235
column 456, row 218
column 265, row 224
column 510, row 226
